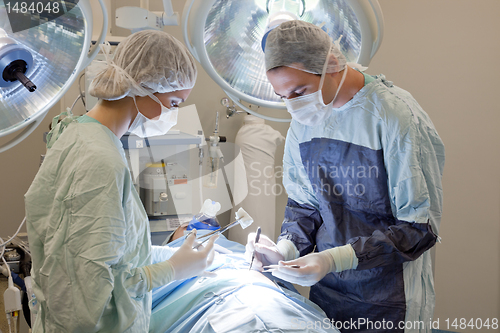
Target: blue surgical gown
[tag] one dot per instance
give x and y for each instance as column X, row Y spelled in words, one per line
column 369, row 176
column 89, row 236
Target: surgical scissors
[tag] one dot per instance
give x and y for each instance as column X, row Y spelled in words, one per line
column 257, row 237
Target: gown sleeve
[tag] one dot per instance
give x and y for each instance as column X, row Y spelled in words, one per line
column 161, row 253
column 414, row 160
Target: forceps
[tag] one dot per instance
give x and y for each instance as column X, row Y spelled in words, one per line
column 216, row 232
column 242, row 218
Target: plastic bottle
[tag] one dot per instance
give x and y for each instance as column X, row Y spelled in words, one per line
column 206, row 218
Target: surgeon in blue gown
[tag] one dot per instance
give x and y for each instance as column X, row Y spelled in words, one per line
column 362, row 169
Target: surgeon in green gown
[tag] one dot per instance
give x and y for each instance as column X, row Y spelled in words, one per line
column 93, row 263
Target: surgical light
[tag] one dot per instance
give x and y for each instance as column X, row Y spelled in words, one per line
column 225, row 37
column 14, row 63
column 39, row 63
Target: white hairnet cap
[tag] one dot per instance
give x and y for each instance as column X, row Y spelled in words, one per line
column 303, row 46
column 145, row 62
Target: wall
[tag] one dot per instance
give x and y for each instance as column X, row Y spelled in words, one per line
column 445, row 53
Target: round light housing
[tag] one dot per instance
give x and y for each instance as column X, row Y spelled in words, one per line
column 225, row 37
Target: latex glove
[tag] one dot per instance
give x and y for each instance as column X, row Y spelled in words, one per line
column 266, row 252
column 185, row 263
column 188, row 262
column 312, row 268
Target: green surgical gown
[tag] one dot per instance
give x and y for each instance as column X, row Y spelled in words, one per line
column 89, row 236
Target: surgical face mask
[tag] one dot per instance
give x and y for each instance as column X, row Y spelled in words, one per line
column 310, row 109
column 145, row 127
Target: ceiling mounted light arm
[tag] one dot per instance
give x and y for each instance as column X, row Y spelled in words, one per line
column 141, row 18
column 169, row 16
column 371, row 23
column 380, row 26
column 184, row 26
column 102, row 35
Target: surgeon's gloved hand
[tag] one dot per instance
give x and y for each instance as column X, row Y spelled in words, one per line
column 266, row 252
column 309, row 269
column 186, row 262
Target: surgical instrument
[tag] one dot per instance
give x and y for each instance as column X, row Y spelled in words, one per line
column 272, row 268
column 257, row 237
column 242, row 218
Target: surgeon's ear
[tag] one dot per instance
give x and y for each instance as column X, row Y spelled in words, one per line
column 332, row 75
column 333, row 63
